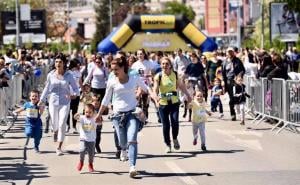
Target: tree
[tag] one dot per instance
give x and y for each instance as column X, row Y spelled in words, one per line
column 179, row 8
column 120, row 10
column 102, row 22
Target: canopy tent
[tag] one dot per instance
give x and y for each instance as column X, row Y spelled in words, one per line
column 119, row 38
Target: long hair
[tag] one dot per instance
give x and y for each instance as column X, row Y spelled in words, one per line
column 62, row 57
column 121, row 62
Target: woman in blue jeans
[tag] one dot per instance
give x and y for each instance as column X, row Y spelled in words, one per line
column 166, row 84
column 123, row 87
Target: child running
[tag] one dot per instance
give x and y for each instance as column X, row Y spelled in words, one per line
column 96, row 104
column 191, row 91
column 215, row 100
column 87, row 135
column 199, row 118
column 33, row 122
column 240, row 95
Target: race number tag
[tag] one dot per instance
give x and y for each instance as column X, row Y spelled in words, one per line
column 32, row 113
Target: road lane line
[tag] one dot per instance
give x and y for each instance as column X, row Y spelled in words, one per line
column 176, row 169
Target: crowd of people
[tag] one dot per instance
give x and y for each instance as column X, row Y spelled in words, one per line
column 122, row 82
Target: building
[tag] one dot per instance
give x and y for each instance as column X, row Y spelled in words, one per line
column 81, row 13
column 225, row 19
column 197, row 5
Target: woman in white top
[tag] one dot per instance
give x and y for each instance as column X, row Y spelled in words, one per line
column 98, row 77
column 123, row 87
column 144, row 68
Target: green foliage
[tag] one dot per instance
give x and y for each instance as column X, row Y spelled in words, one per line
column 179, row 8
column 202, row 23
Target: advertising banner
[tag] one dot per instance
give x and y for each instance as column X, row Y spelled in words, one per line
column 35, row 26
column 156, row 42
column 284, row 23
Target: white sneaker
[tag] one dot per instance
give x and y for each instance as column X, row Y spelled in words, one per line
column 168, row 149
column 221, row 116
column 132, row 172
column 59, row 152
column 123, row 156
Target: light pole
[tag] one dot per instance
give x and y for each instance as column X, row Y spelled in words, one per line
column 17, row 25
column 69, row 31
column 238, row 30
column 110, row 16
column 262, row 26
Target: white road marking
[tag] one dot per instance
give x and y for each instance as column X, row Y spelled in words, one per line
column 249, row 143
column 176, row 169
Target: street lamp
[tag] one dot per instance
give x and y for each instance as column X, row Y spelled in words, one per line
column 17, row 25
column 68, row 28
column 110, row 16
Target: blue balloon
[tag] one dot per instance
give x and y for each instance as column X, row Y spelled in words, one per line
column 37, row 72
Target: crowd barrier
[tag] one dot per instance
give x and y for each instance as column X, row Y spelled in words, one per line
column 275, row 99
column 11, row 96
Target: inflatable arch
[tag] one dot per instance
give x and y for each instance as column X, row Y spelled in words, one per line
column 155, row 24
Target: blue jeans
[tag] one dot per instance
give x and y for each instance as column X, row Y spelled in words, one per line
column 33, row 129
column 127, row 135
column 169, row 111
column 215, row 102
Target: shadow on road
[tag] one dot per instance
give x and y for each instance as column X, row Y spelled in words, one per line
column 145, row 174
column 22, row 171
column 187, row 154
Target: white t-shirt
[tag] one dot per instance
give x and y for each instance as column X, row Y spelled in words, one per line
column 98, row 76
column 180, row 64
column 87, row 128
column 124, row 94
column 145, row 67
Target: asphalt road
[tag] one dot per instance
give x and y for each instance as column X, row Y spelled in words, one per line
column 237, row 155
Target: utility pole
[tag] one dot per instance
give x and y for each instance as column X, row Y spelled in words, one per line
column 69, row 31
column 262, row 44
column 110, row 16
column 238, row 30
column 17, row 25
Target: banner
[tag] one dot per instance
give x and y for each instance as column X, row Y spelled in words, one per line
column 284, row 23
column 35, row 26
column 156, row 42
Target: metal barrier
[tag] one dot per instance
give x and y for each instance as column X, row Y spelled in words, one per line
column 276, row 99
column 12, row 95
column 292, row 109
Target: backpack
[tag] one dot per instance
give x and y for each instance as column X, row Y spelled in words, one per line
column 160, row 76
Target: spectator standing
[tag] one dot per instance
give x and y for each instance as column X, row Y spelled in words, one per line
column 232, row 67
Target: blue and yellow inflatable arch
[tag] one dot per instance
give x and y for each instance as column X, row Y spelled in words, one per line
column 156, row 23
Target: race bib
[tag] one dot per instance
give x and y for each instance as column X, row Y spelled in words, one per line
column 88, row 127
column 201, row 115
column 32, row 113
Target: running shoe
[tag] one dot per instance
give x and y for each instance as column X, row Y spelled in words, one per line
column 168, row 149
column 132, row 172
column 195, row 142
column 59, row 152
column 203, row 147
column 80, row 165
column 123, row 156
column 176, row 144
column 91, row 167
